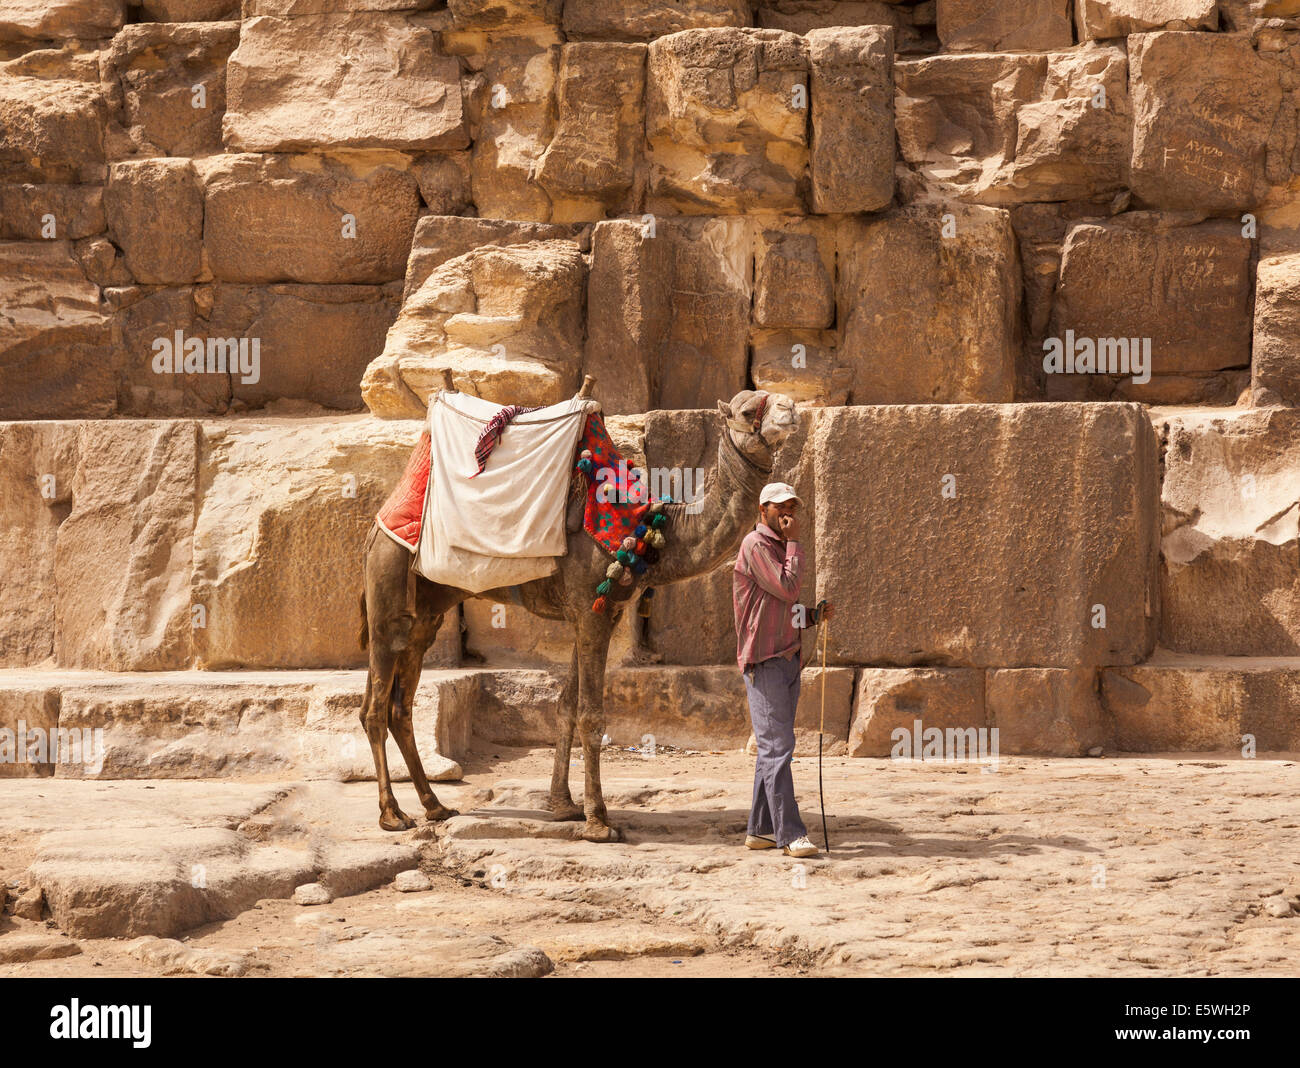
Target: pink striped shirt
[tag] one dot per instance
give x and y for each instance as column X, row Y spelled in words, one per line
column 764, row 591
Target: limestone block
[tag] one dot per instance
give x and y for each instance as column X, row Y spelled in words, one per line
column 726, row 121
column 38, row 19
column 1003, row 25
column 590, row 168
column 52, row 119
column 1009, row 129
column 333, row 218
column 852, row 86
column 1204, row 105
column 598, row 20
column 1230, row 546
column 1275, row 346
column 328, row 81
column 1028, row 528
column 1046, row 711
column 157, row 67
column 26, row 210
column 122, row 556
column 155, row 213
column 507, row 321
column 929, row 301
column 1119, row 18
column 892, row 699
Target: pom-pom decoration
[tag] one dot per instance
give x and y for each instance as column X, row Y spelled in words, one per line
column 614, row 570
column 603, row 588
column 598, row 605
column 639, row 567
column 640, row 531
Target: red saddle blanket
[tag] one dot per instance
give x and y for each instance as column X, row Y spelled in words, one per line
column 607, row 521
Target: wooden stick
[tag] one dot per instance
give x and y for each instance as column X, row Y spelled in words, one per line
column 821, row 734
column 588, row 383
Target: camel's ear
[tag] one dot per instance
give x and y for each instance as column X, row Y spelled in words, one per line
column 725, row 409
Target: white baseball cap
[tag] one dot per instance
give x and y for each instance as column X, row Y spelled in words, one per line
column 778, row 493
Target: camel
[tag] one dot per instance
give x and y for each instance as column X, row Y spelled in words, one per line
column 399, row 623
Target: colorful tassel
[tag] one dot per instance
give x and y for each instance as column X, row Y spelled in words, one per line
column 639, row 567
column 584, row 465
column 629, row 544
column 603, row 588
column 640, row 548
column 614, row 570
column 598, row 605
column 656, row 538
column 659, row 520
column 624, row 557
column 640, row 531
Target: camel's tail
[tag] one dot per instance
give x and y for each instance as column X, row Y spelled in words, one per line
column 364, row 636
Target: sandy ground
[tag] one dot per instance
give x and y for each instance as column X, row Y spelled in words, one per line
column 1112, row 866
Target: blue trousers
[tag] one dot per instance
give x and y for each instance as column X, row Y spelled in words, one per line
column 773, row 688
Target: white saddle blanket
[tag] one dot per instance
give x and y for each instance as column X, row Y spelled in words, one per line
column 505, row 525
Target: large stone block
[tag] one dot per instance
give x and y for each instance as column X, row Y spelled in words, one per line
column 122, row 555
column 1204, row 105
column 359, row 80
column 794, row 268
column 1009, row 129
column 1180, row 703
column 1185, row 288
column 40, row 212
column 285, row 511
column 155, row 213
column 41, row 19
column 507, row 322
column 1031, row 530
column 37, row 460
column 52, row 118
column 852, row 89
column 345, row 217
column 598, row 20
column 512, row 116
column 1275, row 340
column 1119, row 18
column 1003, row 25
column 202, row 10
column 314, row 342
column 803, row 364
column 629, row 307
column 54, row 335
column 170, row 83
column 29, row 719
column 1230, row 548
column 590, row 168
column 895, row 699
column 727, row 121
column 1046, row 711
column 929, row 302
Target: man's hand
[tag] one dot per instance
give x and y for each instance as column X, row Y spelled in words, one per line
column 789, row 527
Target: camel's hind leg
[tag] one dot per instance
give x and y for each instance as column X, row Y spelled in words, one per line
column 561, row 800
column 374, row 718
column 409, row 665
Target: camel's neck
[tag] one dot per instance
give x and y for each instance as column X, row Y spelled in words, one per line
column 700, row 540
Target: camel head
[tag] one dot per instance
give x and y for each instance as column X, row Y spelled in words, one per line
column 759, row 422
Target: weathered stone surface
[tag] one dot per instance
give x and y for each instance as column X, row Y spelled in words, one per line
column 507, row 322
column 199, row 10
column 52, row 119
column 36, row 466
column 21, row 948
column 26, row 210
column 1007, row 129
column 412, row 882
column 122, row 556
column 1204, row 105
column 704, row 353
column 803, row 16
column 504, row 14
column 1003, row 25
column 1186, row 288
column 726, row 121
column 1068, row 534
column 299, row 206
column 278, row 537
column 314, row 341
column 155, row 213
column 893, row 699
column 1275, row 343
column 852, row 90
column 29, row 718
column 175, row 958
column 1119, row 18
column 444, row 179
column 793, row 272
column 37, row 19
column 1046, row 711
column 328, row 80
column 1230, row 548
column 439, row 238
column 124, row 883
column 1181, row 703
column 518, row 707
column 629, row 307
column 802, row 364
column 511, row 112
column 587, row 20
column 590, row 168
column 157, row 67
column 928, row 317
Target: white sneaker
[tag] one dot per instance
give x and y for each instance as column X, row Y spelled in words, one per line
column 801, row 847
column 758, row 841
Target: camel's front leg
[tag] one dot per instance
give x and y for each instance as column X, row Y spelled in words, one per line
column 592, row 651
column 402, row 726
column 561, row 801
column 374, row 718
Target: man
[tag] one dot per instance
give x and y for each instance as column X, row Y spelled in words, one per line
column 769, row 617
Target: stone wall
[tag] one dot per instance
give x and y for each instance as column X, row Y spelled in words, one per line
column 890, row 211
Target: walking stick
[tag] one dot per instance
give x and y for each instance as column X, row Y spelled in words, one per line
column 821, row 734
